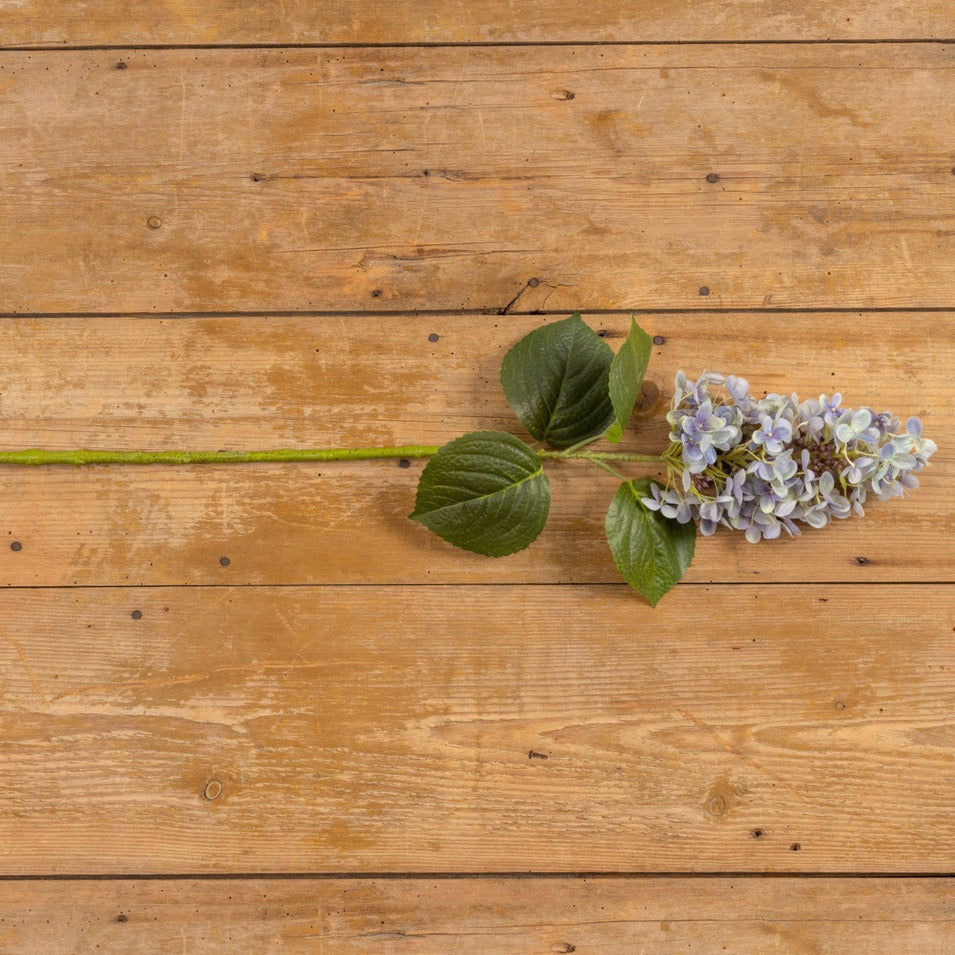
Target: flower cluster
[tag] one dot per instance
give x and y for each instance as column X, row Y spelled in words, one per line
column 765, row 465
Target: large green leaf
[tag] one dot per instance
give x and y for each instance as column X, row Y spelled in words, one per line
column 627, row 369
column 557, row 381
column 651, row 551
column 486, row 492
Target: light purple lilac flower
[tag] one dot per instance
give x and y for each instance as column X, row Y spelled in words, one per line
column 774, row 433
column 769, row 464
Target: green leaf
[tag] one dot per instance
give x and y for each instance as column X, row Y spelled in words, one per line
column 486, row 492
column 557, row 381
column 627, row 369
column 651, row 551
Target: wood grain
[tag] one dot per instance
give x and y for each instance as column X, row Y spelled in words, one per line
column 399, row 706
column 101, row 22
column 477, row 178
column 292, row 381
column 421, row 729
column 491, row 915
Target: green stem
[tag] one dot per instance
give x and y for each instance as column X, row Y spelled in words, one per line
column 606, row 467
column 35, row 457
column 600, row 458
column 595, row 456
column 580, row 444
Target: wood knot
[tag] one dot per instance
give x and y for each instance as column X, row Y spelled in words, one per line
column 720, row 799
column 649, row 393
column 717, row 806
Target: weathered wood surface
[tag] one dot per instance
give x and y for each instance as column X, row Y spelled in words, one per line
column 769, row 726
column 505, row 728
column 103, row 22
column 376, row 380
column 827, row 916
column 348, row 179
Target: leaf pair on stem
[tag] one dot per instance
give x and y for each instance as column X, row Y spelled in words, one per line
column 487, row 491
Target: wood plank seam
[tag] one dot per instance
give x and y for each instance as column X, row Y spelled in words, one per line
column 483, row 312
column 444, row 876
column 491, row 44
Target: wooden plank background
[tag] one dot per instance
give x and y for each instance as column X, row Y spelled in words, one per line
column 516, row 178
column 572, row 729
column 432, row 917
column 32, row 23
column 257, row 703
